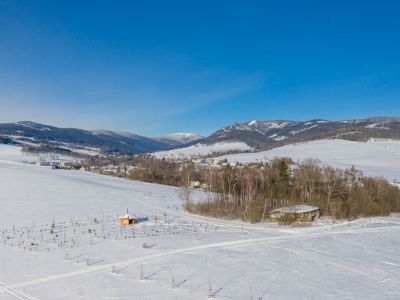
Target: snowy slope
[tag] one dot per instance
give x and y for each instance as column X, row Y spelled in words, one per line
column 13, row 154
column 105, row 140
column 270, row 134
column 175, row 139
column 10, row 153
column 374, row 158
column 187, row 257
column 199, row 150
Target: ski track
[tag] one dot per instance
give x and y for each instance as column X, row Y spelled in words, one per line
column 388, row 263
column 14, row 292
column 312, row 253
column 228, row 244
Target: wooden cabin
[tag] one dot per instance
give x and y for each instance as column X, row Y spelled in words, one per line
column 296, row 213
column 126, row 219
column 129, row 219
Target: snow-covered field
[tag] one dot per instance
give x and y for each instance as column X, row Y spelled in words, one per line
column 12, row 154
column 199, row 150
column 86, row 150
column 86, row 255
column 374, row 158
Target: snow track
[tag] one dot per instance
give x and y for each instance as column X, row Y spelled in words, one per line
column 14, row 293
column 74, row 260
column 229, row 244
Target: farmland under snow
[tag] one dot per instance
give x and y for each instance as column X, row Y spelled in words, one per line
column 200, row 150
column 87, row 255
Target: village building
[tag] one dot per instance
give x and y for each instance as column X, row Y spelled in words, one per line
column 43, row 163
column 65, row 164
column 110, row 170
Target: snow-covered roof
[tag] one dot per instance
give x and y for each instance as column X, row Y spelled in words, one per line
column 126, row 216
column 296, row 209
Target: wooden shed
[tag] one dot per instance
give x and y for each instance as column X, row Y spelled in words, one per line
column 300, row 213
column 126, row 219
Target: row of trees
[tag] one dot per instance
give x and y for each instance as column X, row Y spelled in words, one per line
column 251, row 192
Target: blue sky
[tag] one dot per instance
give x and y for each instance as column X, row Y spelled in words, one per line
column 156, row 67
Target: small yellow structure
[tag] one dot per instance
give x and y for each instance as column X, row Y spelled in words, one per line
column 129, row 219
column 126, row 219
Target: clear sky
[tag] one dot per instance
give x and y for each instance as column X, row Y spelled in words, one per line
column 156, row 67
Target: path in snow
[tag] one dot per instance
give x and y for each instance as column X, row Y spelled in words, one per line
column 346, row 260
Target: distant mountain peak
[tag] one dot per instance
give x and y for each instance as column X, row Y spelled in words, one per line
column 179, row 138
column 115, row 133
column 182, row 134
column 251, row 123
column 33, row 125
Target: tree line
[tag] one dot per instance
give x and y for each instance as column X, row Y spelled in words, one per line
column 250, row 192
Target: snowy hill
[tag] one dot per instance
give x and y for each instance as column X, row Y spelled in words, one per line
column 59, row 239
column 105, row 140
column 374, row 158
column 13, row 154
column 260, row 135
column 272, row 134
column 79, row 140
column 176, row 139
column 200, row 150
column 10, row 154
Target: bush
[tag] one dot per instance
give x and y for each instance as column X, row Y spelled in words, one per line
column 287, row 219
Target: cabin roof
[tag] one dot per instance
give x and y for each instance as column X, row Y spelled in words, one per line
column 296, row 209
column 126, row 216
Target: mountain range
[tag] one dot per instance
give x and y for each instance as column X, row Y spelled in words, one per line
column 257, row 134
column 106, row 141
column 271, row 134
